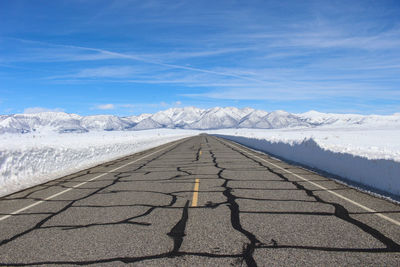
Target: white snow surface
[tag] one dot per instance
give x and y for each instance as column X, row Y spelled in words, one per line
column 30, row 159
column 366, row 157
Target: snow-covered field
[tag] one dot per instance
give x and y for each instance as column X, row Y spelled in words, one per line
column 34, row 158
column 361, row 156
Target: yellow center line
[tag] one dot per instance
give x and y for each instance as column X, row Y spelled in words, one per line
column 195, row 192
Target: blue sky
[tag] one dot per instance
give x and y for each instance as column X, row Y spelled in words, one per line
column 128, row 57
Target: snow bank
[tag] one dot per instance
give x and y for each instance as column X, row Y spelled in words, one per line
column 30, row 159
column 368, row 159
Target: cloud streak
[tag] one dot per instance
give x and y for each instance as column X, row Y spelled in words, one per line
column 33, row 110
column 106, row 107
column 102, row 54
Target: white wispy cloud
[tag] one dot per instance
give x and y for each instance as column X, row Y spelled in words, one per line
column 33, row 110
column 105, row 107
column 115, row 71
column 133, row 107
column 102, row 72
column 101, row 54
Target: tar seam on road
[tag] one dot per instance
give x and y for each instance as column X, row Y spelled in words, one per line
column 195, row 192
column 323, row 188
column 78, row 185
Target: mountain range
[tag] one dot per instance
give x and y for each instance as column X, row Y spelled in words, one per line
column 188, row 118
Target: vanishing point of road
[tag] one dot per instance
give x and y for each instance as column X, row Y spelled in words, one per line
column 199, row 201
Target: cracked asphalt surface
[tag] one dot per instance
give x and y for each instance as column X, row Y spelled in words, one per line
column 249, row 213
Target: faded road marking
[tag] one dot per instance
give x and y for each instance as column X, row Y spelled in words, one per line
column 195, row 192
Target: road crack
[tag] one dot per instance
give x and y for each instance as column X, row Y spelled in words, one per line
column 339, row 210
column 248, row 249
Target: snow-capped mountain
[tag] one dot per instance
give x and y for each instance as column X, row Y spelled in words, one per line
column 316, row 118
column 254, row 119
column 147, row 123
column 136, row 119
column 282, row 119
column 189, row 118
column 216, row 118
column 46, row 121
column 106, row 123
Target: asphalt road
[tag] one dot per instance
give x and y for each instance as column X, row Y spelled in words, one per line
column 200, row 201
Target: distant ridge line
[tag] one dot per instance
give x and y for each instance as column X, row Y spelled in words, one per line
column 187, row 118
